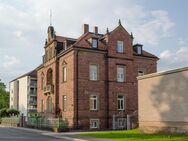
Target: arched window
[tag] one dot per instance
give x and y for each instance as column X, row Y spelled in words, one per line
column 49, row 76
column 49, row 105
column 42, row 81
column 64, row 72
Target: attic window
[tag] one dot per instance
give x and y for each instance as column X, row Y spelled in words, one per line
column 94, row 43
column 65, row 45
column 139, row 50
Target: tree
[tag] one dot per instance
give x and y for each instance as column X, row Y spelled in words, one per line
column 4, row 96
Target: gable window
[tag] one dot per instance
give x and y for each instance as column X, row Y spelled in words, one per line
column 94, row 123
column 120, row 47
column 93, row 102
column 120, row 73
column 64, row 102
column 94, row 43
column 121, row 102
column 93, row 72
column 64, row 73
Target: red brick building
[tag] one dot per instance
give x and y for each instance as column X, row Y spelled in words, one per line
column 90, row 79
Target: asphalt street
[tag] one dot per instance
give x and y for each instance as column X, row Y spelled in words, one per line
column 13, row 134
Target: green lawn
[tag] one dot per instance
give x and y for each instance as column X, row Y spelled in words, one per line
column 135, row 135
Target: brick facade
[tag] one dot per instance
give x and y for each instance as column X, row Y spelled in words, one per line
column 77, row 55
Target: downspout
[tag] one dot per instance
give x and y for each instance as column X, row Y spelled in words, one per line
column 77, row 113
column 107, row 93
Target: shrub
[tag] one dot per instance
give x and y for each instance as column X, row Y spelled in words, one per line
column 8, row 112
column 13, row 112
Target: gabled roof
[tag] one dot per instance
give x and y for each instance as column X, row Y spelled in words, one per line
column 32, row 73
column 145, row 54
column 62, row 39
column 83, row 40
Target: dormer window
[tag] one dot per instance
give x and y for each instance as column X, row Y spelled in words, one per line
column 94, row 43
column 139, row 50
column 65, row 45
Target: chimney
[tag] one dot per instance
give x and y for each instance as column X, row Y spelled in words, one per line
column 86, row 28
column 95, row 29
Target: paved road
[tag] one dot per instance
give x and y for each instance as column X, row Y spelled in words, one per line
column 13, row 134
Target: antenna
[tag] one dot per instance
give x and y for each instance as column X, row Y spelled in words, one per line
column 50, row 17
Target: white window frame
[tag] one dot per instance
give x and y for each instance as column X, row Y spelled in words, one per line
column 64, row 103
column 121, row 73
column 120, row 47
column 93, row 102
column 121, row 102
column 64, row 73
column 94, row 43
column 93, row 74
column 139, row 50
column 94, row 123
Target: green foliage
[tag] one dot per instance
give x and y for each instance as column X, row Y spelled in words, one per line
column 135, row 135
column 8, row 112
column 4, row 96
column 13, row 112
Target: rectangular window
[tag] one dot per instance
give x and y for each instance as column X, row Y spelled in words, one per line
column 93, row 72
column 64, row 102
column 139, row 50
column 93, row 102
column 120, row 47
column 64, row 73
column 120, row 73
column 94, row 43
column 121, row 102
column 94, row 123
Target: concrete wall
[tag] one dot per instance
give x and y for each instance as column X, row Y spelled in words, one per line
column 23, row 95
column 14, row 87
column 163, row 101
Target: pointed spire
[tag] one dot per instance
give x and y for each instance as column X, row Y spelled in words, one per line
column 119, row 22
column 107, row 31
column 132, row 35
column 50, row 17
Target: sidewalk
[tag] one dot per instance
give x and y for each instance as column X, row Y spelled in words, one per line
column 73, row 136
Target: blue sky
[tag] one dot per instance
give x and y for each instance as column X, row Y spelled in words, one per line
column 160, row 25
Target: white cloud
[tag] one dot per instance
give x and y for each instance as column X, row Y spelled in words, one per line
column 165, row 54
column 10, row 62
column 24, row 24
column 176, row 58
column 157, row 27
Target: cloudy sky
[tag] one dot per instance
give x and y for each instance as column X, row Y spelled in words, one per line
column 160, row 25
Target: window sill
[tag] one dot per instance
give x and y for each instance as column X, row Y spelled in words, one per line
column 94, row 110
column 120, row 52
column 120, row 82
column 93, row 80
column 94, row 127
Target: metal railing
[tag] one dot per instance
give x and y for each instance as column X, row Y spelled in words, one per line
column 39, row 122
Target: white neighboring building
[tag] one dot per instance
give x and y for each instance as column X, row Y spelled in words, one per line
column 23, row 93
